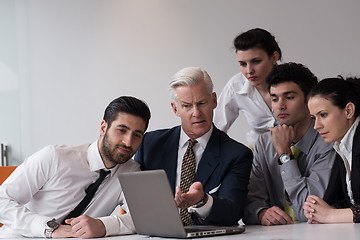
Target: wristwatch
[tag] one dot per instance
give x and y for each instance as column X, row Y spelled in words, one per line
column 202, row 202
column 285, row 157
column 50, row 227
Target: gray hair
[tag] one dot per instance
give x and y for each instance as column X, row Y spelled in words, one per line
column 190, row 76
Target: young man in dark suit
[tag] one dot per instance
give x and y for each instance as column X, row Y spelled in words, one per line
column 221, row 166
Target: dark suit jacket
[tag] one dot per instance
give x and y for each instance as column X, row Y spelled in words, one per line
column 224, row 162
column 355, row 170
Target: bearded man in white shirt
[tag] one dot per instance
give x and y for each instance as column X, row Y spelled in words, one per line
column 35, row 201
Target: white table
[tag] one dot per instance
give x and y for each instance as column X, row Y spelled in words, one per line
column 344, row 231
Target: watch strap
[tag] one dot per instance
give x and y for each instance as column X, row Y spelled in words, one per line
column 202, row 202
column 50, row 227
column 48, row 233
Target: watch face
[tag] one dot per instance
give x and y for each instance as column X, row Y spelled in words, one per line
column 284, row 158
column 52, row 224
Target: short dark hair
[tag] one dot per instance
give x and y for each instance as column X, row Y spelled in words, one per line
column 339, row 91
column 127, row 104
column 292, row 72
column 257, row 38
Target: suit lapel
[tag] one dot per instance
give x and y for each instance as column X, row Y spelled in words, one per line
column 170, row 152
column 342, row 171
column 355, row 172
column 210, row 158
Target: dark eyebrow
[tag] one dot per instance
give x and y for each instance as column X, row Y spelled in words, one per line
column 289, row 92
column 252, row 59
column 319, row 112
column 283, row 94
column 124, row 126
column 139, row 131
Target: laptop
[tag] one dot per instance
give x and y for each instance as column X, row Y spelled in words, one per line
column 154, row 211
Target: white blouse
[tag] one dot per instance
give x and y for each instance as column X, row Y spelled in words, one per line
column 237, row 96
column 344, row 149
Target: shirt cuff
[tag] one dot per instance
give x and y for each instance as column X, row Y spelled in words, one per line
column 203, row 211
column 118, row 225
column 258, row 213
column 38, row 225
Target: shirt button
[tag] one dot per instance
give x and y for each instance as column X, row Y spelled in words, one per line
column 283, row 172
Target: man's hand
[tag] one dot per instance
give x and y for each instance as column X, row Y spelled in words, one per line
column 63, row 231
column 274, row 216
column 282, row 137
column 86, row 227
column 192, row 197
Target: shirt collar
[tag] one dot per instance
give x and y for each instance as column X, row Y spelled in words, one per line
column 203, row 140
column 247, row 88
column 95, row 161
column 346, row 143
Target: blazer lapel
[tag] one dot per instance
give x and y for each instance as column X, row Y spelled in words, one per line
column 169, row 156
column 210, row 158
column 342, row 171
column 355, row 171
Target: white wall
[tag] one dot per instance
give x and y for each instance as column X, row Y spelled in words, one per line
column 75, row 56
column 10, row 133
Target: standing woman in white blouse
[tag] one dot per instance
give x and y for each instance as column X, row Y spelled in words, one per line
column 247, row 92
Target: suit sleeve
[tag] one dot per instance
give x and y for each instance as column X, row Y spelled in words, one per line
column 230, row 198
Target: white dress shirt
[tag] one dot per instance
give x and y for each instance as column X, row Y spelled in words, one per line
column 344, row 149
column 198, row 149
column 237, row 96
column 50, row 183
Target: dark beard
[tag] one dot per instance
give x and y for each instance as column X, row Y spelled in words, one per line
column 109, row 153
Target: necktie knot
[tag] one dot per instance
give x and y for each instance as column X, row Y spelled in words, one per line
column 103, row 173
column 295, row 151
column 98, row 181
column 191, row 143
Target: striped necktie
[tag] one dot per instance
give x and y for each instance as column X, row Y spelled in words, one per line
column 188, row 167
